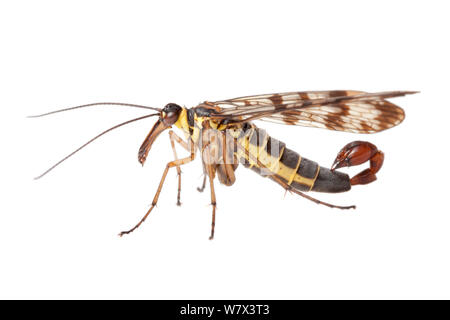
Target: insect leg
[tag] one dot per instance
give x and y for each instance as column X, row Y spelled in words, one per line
column 289, row 188
column 210, row 173
column 209, row 146
column 169, row 165
column 200, row 189
column 174, row 137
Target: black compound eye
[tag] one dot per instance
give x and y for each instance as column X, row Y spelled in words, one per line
column 170, row 113
column 170, row 118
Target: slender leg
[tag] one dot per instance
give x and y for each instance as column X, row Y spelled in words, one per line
column 173, row 137
column 289, row 188
column 213, row 198
column 169, row 165
column 176, row 138
column 200, row 189
column 207, row 150
column 214, row 204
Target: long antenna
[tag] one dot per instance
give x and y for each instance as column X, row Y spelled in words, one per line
column 93, row 139
column 96, row 104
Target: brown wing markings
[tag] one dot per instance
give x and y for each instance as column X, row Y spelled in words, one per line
column 294, row 95
column 276, row 99
column 326, row 120
column 353, row 111
column 341, row 119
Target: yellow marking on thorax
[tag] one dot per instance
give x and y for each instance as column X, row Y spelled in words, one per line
column 198, row 126
column 183, row 123
column 195, row 134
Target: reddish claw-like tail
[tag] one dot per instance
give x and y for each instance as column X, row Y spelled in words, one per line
column 358, row 152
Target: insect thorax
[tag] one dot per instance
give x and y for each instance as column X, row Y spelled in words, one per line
column 192, row 121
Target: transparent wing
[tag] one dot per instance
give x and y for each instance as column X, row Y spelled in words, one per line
column 351, row 111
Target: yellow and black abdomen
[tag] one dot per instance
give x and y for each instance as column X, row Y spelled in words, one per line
column 269, row 157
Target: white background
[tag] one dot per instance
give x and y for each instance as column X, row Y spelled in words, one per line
column 58, row 235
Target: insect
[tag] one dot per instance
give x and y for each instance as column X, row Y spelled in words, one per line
column 223, row 134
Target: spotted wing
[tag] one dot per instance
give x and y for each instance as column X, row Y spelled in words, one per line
column 351, row 111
